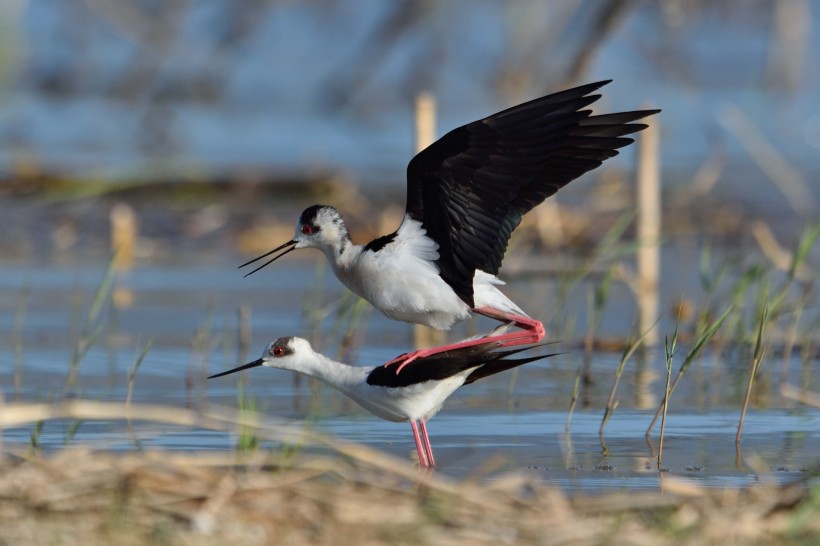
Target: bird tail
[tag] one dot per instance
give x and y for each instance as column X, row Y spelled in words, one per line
column 501, row 363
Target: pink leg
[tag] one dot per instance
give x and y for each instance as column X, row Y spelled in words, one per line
column 428, row 447
column 532, row 331
column 419, row 448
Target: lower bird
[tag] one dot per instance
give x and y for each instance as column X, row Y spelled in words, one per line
column 466, row 193
column 415, row 396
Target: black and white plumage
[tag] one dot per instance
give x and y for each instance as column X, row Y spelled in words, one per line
column 415, row 395
column 466, row 193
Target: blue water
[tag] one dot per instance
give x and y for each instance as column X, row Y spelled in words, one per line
column 777, row 445
column 514, row 421
column 276, row 105
column 300, row 96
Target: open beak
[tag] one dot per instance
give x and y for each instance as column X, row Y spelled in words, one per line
column 253, row 364
column 291, row 244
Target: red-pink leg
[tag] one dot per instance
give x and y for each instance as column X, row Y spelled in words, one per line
column 426, row 439
column 532, row 331
column 422, row 452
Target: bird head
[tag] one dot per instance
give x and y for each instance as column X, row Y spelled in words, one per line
column 319, row 226
column 285, row 353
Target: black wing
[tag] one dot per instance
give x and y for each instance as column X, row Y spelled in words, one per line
column 483, row 358
column 470, row 188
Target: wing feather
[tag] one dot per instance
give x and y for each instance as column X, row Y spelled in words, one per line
column 471, row 188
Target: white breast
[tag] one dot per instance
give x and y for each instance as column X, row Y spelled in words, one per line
column 402, row 280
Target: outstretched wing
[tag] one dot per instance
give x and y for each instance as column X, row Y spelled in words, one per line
column 470, row 188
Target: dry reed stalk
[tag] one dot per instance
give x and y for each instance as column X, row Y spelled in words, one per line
column 791, row 41
column 123, row 235
column 779, row 256
column 244, row 332
column 132, row 373
column 138, row 498
column 804, row 396
column 630, row 348
column 222, row 418
column 425, row 128
column 648, row 232
column 124, row 230
column 769, row 160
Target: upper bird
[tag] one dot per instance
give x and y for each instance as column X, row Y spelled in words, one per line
column 415, row 396
column 466, row 193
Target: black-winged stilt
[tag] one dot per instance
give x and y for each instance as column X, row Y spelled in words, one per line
column 415, row 395
column 466, row 193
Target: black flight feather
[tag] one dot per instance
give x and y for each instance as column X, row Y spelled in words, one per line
column 470, row 188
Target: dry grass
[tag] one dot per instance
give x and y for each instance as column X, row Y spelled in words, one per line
column 212, row 498
column 353, row 496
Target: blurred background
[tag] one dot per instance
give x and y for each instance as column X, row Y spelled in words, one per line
column 189, row 134
column 106, row 95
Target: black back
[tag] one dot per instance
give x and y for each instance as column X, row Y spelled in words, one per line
column 482, row 358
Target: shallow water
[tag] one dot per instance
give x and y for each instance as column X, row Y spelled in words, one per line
column 781, row 445
column 273, row 121
column 514, row 421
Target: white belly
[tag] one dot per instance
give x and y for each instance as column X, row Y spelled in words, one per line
column 415, row 295
column 421, row 401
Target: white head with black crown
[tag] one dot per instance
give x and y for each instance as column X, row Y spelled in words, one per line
column 319, row 226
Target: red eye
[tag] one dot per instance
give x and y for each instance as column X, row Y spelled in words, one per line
column 307, row 229
column 278, row 351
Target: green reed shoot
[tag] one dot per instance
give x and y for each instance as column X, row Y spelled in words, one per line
column 205, row 341
column 807, row 240
column 630, row 348
column 344, row 329
column 596, row 303
column 34, row 437
column 92, row 328
column 702, row 339
column 709, row 281
column 290, row 450
column 606, row 251
column 736, row 325
column 17, row 336
column 795, row 307
column 757, row 358
column 808, row 355
column 132, row 373
column 804, row 516
column 313, row 303
column 669, row 348
column 248, row 439
column 73, row 428
column 609, row 249
column 576, row 389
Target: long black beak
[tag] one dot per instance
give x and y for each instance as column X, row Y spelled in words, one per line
column 253, row 364
column 290, row 244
